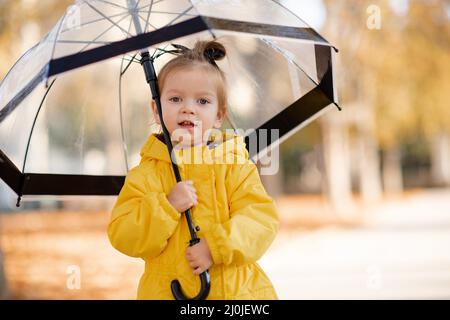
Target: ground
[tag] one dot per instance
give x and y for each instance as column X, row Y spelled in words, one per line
column 399, row 248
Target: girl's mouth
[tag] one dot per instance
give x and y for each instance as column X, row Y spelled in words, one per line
column 186, row 124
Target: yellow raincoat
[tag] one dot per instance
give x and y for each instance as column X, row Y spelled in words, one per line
column 235, row 215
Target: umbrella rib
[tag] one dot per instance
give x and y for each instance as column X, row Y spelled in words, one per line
column 122, row 72
column 163, row 50
column 83, row 41
column 34, row 123
column 137, row 5
column 107, row 18
column 124, row 145
column 133, row 59
column 209, row 29
column 149, row 5
column 166, row 12
column 137, row 13
column 147, row 22
column 101, row 34
column 113, row 4
column 274, row 46
column 179, row 16
column 96, row 20
column 122, row 131
column 154, row 27
column 129, row 64
column 58, row 33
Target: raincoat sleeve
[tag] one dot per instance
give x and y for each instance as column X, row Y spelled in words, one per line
column 142, row 219
column 253, row 221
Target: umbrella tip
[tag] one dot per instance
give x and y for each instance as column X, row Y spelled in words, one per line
column 18, row 201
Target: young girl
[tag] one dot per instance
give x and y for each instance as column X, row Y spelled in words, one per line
column 237, row 219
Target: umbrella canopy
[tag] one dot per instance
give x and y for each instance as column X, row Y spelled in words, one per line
column 74, row 109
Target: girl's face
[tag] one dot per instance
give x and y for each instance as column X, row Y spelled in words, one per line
column 190, row 105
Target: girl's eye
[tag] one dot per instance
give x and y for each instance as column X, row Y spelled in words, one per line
column 175, row 99
column 203, row 101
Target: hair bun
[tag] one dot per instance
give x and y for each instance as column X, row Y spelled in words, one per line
column 214, row 51
column 211, row 51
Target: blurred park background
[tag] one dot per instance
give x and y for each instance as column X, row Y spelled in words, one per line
column 363, row 194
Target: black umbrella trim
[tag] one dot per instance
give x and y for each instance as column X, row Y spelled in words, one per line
column 9, row 173
column 56, row 184
column 265, row 29
column 65, row 184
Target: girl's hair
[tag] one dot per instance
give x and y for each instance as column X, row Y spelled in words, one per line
column 203, row 55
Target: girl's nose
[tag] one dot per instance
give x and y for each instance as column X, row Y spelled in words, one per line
column 188, row 108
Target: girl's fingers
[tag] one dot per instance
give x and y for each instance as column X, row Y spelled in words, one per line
column 198, row 271
column 193, row 195
column 192, row 190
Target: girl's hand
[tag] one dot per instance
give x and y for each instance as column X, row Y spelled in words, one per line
column 199, row 257
column 183, row 196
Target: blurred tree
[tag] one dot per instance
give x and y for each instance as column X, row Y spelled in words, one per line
column 346, row 27
column 413, row 64
column 395, row 75
column 22, row 20
column 428, row 42
column 394, row 114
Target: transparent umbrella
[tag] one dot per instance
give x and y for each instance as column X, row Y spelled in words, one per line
column 74, row 109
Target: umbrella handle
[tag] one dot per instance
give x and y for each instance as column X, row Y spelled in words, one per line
column 204, row 291
column 205, row 280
